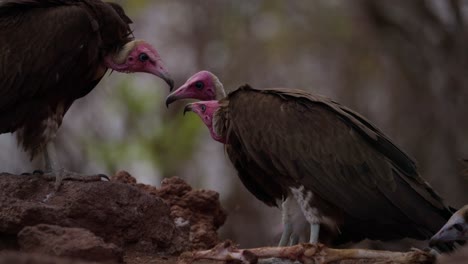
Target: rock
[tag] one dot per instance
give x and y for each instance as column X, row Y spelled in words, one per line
column 10, row 257
column 201, row 208
column 104, row 222
column 68, row 242
column 120, row 213
column 198, row 210
column 123, row 177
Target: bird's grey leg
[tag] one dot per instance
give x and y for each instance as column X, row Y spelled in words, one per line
column 294, row 240
column 55, row 172
column 50, row 157
column 51, row 164
column 314, row 233
column 287, row 223
column 287, row 230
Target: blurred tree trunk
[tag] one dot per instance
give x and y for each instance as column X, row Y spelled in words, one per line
column 426, row 41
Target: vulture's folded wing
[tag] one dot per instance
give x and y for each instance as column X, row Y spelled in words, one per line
column 302, row 139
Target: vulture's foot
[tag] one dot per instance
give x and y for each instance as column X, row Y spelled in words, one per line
column 294, row 240
column 295, row 226
column 288, row 237
column 285, row 236
column 60, row 175
column 35, row 172
column 432, row 251
column 57, row 173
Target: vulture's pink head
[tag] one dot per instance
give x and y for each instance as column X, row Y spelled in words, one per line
column 206, row 111
column 139, row 56
column 202, row 85
column 455, row 229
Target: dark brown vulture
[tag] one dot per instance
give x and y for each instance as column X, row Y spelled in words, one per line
column 321, row 160
column 456, row 228
column 54, row 52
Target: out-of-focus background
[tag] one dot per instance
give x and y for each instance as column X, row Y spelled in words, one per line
column 402, row 64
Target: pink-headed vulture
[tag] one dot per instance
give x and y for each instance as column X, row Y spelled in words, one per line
column 54, row 52
column 322, row 162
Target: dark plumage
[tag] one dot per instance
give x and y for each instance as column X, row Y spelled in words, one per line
column 358, row 177
column 345, row 174
column 56, row 51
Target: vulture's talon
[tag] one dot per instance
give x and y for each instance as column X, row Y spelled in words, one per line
column 294, row 240
column 38, row 172
column 25, row 173
column 104, row 177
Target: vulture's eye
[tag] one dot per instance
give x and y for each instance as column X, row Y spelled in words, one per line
column 203, row 108
column 199, row 85
column 143, row 57
column 458, row 227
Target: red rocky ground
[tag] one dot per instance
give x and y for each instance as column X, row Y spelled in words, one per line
column 104, row 222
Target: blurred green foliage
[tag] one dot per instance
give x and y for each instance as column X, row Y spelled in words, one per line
column 162, row 144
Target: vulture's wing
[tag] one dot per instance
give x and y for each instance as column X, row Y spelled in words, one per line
column 45, row 43
column 301, row 139
column 254, row 179
column 40, row 46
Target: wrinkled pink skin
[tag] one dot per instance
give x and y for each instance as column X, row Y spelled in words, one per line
column 153, row 64
column 189, row 89
column 205, row 110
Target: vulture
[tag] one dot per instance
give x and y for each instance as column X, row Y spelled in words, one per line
column 54, row 52
column 322, row 162
column 455, row 230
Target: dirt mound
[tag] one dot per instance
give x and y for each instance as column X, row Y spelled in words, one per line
column 106, row 217
column 14, row 257
column 68, row 242
column 198, row 210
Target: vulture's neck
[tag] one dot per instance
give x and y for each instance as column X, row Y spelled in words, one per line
column 220, row 93
column 215, row 132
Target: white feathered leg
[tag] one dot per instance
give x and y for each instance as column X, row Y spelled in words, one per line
column 311, row 214
column 294, row 223
column 287, row 222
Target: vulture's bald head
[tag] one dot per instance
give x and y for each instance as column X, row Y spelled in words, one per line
column 206, row 111
column 139, row 56
column 203, row 85
column 455, row 229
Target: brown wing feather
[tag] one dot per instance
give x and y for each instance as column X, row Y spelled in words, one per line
column 254, row 179
column 302, row 139
column 35, row 65
column 251, row 175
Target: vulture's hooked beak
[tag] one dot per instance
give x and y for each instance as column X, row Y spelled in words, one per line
column 160, row 70
column 167, row 78
column 188, row 108
column 170, row 99
column 178, row 94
